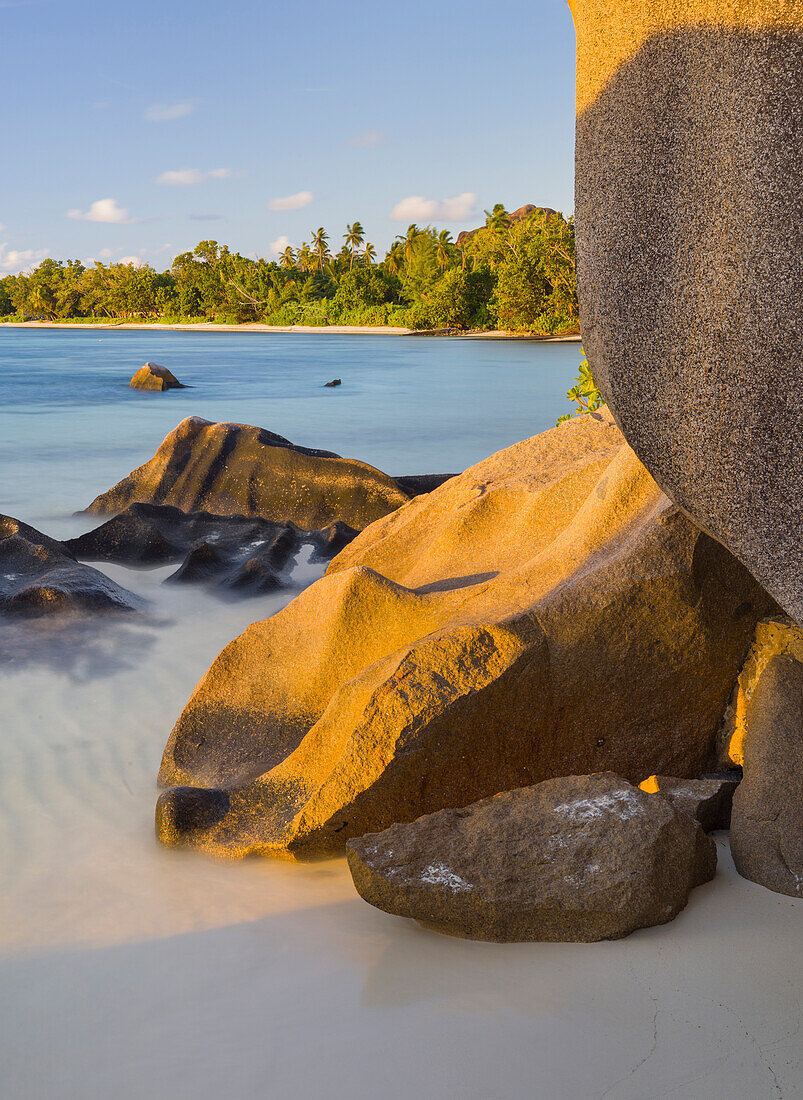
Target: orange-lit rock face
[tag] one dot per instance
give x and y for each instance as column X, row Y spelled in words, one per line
column 238, row 469
column 689, row 211
column 547, row 612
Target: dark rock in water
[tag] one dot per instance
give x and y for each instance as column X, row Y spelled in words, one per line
column 134, row 537
column 38, row 576
column 243, row 553
column 329, row 541
column 767, row 820
column 202, row 563
column 254, row 577
column 690, row 260
column 708, row 800
column 417, row 484
column 156, row 378
column 334, row 382
column 577, row 859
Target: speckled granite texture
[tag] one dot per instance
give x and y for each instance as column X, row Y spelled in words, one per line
column 690, row 258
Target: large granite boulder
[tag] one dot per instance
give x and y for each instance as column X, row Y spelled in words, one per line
column 690, row 258
column 155, row 377
column 767, row 818
column 242, row 553
column 547, row 612
column 237, row 469
column 581, row 858
column 39, row 576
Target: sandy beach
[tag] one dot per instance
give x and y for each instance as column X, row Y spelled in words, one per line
column 336, row 330
column 128, row 970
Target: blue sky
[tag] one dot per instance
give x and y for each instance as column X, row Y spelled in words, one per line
column 136, row 130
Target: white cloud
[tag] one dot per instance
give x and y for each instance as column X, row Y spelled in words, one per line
column 166, row 112
column 188, row 177
column 292, row 202
column 181, row 177
column 13, row 260
column 458, row 209
column 368, row 139
column 103, row 210
column 134, row 261
column 278, row 246
column 416, row 208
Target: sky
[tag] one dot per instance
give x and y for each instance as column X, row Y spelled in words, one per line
column 132, row 131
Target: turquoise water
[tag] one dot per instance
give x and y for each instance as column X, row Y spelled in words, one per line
column 70, row 426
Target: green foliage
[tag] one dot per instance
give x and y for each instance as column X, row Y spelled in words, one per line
column 516, row 273
column 584, row 394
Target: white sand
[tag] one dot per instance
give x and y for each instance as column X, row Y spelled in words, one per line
column 347, row 330
column 127, row 971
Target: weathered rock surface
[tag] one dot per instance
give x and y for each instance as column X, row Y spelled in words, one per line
column 237, row 469
column 38, row 576
column 581, row 858
column 690, row 258
column 548, row 612
column 245, row 553
column 767, row 820
column 154, row 377
column 708, row 801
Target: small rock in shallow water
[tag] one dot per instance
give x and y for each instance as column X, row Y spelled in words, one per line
column 156, row 378
column 576, row 859
column 334, row 382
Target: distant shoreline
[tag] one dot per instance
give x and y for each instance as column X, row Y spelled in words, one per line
column 338, row 330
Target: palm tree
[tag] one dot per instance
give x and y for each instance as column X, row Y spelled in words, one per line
column 394, row 258
column 305, row 260
column 497, row 219
column 443, row 248
column 354, row 236
column 369, row 253
column 408, row 241
column 320, row 239
column 288, row 257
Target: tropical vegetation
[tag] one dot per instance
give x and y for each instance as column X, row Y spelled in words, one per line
column 516, row 272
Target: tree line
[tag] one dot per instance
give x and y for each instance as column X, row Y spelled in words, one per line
column 516, row 272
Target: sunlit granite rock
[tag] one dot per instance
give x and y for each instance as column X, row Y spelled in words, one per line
column 238, row 469
column 548, row 612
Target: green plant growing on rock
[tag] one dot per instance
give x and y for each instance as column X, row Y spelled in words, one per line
column 585, row 394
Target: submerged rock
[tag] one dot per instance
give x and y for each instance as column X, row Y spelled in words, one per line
column 690, row 259
column 548, row 612
column 244, row 553
column 237, row 469
column 707, row 800
column 578, row 859
column 767, row 820
column 39, row 576
column 154, row 377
